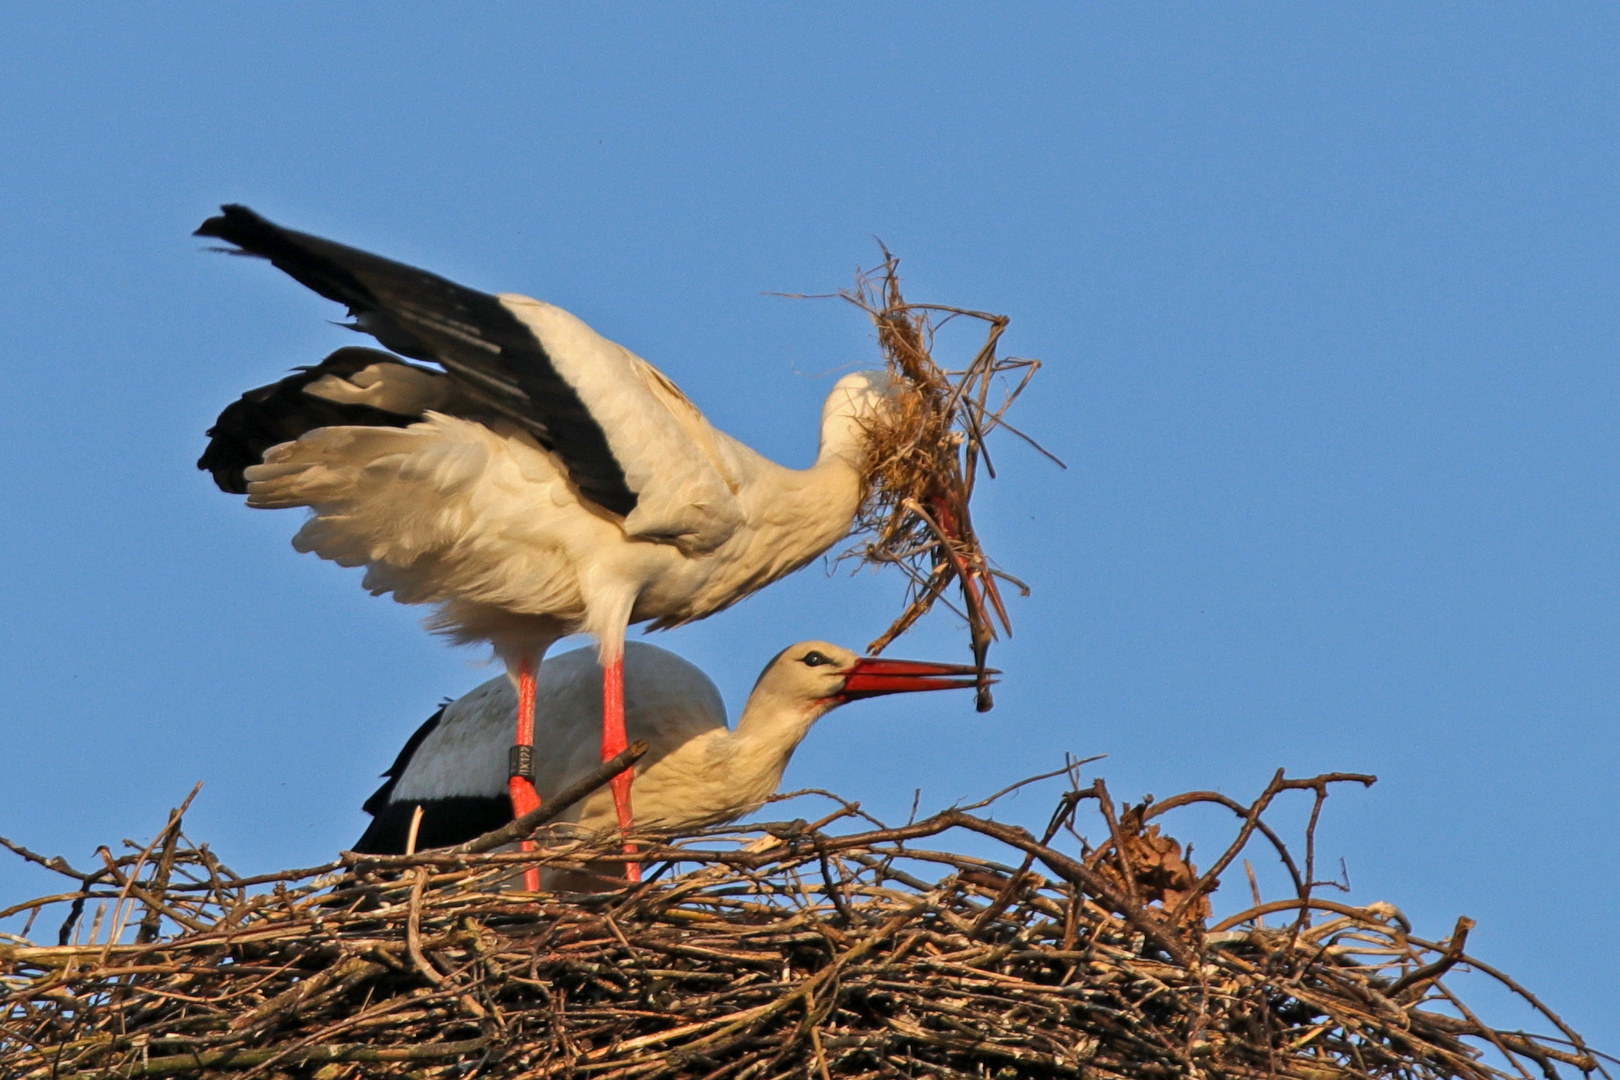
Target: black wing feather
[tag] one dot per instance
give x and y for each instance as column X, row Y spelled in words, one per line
column 444, row 821
column 485, row 347
column 379, row 798
column 281, row 412
column 448, row 821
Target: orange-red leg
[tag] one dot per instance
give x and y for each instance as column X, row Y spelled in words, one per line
column 521, row 787
column 614, row 740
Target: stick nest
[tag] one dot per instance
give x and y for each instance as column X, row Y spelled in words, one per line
column 785, row 950
column 923, row 456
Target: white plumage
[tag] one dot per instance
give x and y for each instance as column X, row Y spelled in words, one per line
column 479, row 519
column 547, row 481
column 697, row 771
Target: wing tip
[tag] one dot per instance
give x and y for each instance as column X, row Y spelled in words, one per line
column 232, row 218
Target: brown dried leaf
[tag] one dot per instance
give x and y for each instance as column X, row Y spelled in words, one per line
column 1159, row 870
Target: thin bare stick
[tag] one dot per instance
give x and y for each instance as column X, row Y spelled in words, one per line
column 519, row 829
column 784, row 951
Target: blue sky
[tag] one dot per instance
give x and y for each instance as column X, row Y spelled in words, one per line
column 1326, row 295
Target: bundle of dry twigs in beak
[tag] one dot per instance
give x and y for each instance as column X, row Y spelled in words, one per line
column 924, row 456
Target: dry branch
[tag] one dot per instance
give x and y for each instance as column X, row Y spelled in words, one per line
column 924, row 458
column 767, row 953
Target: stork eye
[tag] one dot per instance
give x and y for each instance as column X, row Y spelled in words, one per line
column 815, row 659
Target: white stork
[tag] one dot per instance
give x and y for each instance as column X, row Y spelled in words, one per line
column 541, row 481
column 696, row 772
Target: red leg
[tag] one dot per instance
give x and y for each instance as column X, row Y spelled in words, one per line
column 614, row 741
column 521, row 788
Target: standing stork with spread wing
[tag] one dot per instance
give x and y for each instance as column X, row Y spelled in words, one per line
column 540, row 481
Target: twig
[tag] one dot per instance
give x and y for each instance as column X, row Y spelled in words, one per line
column 1426, row 974
column 906, row 959
column 519, row 829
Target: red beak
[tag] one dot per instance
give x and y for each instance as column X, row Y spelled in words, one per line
column 873, row 675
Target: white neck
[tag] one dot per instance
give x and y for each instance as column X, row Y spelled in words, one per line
column 758, row 750
column 796, row 514
column 827, row 494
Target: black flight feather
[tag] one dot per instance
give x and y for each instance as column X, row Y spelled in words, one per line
column 445, row 821
column 281, row 412
column 402, row 761
column 480, row 343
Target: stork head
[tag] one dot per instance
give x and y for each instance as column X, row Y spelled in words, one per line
column 802, row 684
column 847, row 414
column 815, row 676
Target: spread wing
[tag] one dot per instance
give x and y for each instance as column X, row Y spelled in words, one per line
column 629, row 441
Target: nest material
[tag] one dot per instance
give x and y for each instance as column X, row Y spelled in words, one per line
column 778, row 951
column 923, row 456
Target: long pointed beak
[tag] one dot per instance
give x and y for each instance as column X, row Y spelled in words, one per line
column 873, row 675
